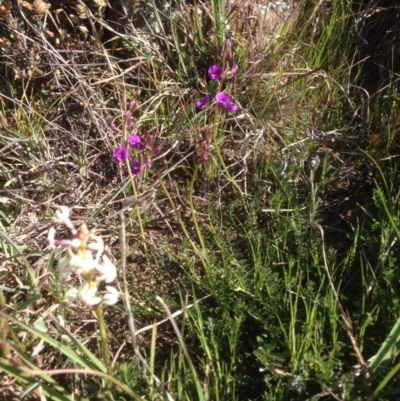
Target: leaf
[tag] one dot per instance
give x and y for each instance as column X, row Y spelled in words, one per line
column 388, row 350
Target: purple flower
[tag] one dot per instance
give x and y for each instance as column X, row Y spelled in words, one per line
column 136, row 167
column 134, row 105
column 215, row 72
column 113, row 126
column 204, row 156
column 224, row 101
column 15, row 359
column 233, row 71
column 135, row 141
column 200, row 104
column 149, row 164
column 158, row 150
column 121, row 154
column 129, row 118
column 225, row 49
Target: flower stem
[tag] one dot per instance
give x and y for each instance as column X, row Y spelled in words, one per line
column 215, row 124
column 140, row 222
column 103, row 334
column 177, row 215
column 192, row 210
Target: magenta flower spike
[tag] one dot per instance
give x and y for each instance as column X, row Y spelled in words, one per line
column 200, row 104
column 233, row 79
column 113, row 126
column 215, row 72
column 135, row 141
column 234, row 68
column 136, row 167
column 121, row 154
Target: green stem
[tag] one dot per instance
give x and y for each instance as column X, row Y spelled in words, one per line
column 103, row 334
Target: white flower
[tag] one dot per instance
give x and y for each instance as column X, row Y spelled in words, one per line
column 80, row 264
column 87, row 294
column 75, row 263
column 61, row 321
column 85, row 258
column 62, row 215
column 97, row 246
column 72, row 294
column 51, row 237
column 64, row 337
column 64, row 267
column 76, row 242
column 83, row 293
column 107, row 269
column 111, row 296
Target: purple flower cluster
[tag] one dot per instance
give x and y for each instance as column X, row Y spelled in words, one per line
column 215, row 72
column 121, row 154
column 143, row 145
column 223, row 100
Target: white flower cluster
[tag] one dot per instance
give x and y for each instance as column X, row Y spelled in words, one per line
column 80, row 261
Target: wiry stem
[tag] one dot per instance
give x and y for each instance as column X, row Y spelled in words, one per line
column 192, row 209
